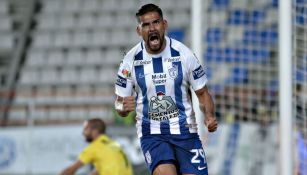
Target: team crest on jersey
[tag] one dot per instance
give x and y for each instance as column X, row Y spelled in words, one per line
column 173, row 71
column 162, row 107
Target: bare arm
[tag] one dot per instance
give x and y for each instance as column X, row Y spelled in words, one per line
column 128, row 105
column 72, row 169
column 207, row 107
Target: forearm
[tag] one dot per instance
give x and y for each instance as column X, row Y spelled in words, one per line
column 206, row 103
column 71, row 170
column 207, row 106
column 68, row 171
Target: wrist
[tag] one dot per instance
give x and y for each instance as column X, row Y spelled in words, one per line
column 122, row 113
column 209, row 115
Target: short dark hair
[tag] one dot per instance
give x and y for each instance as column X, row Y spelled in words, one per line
column 98, row 124
column 148, row 8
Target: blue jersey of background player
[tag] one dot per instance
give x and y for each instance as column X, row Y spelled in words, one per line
column 155, row 79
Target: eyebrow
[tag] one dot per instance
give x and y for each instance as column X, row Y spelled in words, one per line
column 154, row 21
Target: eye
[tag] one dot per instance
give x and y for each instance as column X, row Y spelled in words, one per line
column 145, row 24
column 156, row 21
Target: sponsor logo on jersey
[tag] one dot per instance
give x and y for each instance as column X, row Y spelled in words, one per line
column 121, row 81
column 201, row 168
column 198, row 72
column 162, row 108
column 159, row 78
column 126, row 73
column 141, row 62
column 172, row 59
column 173, row 71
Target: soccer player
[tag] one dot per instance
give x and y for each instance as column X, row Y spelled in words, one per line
column 154, row 79
column 102, row 152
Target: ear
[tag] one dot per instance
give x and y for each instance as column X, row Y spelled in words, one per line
column 95, row 132
column 165, row 23
column 138, row 30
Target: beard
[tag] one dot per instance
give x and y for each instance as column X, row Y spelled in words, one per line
column 88, row 139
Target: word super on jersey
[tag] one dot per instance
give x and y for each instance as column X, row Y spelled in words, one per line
column 161, row 84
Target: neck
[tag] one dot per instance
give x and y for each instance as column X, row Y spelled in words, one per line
column 96, row 136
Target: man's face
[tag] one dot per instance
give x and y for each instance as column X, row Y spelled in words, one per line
column 87, row 132
column 152, row 29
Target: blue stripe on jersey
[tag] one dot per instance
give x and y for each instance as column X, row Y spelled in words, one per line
column 178, row 97
column 157, row 65
column 178, row 93
column 140, row 78
column 160, row 88
column 158, row 68
column 174, row 53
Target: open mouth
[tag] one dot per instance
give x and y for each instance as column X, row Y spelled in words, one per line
column 154, row 39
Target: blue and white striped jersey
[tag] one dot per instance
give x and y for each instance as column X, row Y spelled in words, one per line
column 161, row 84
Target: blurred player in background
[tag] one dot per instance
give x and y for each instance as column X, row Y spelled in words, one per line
column 160, row 71
column 102, row 152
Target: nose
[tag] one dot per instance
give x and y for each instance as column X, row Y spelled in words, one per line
column 152, row 27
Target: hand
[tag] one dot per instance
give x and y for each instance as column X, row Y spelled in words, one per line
column 211, row 124
column 128, row 104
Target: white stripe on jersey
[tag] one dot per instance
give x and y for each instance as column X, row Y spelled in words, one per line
column 139, row 128
column 174, row 125
column 155, row 127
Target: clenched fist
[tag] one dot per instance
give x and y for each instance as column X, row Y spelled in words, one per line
column 124, row 105
column 211, row 124
column 128, row 104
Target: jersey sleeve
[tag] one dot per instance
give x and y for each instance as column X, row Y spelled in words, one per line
column 87, row 155
column 197, row 75
column 124, row 84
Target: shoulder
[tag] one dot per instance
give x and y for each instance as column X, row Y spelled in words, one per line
column 96, row 145
column 87, row 153
column 184, row 52
column 181, row 48
column 133, row 52
column 127, row 62
column 91, row 147
column 126, row 65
